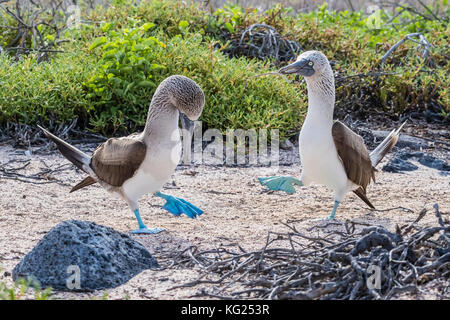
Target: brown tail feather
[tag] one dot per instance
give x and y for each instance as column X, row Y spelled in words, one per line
column 84, row 183
column 385, row 146
column 362, row 195
column 74, row 155
column 376, row 156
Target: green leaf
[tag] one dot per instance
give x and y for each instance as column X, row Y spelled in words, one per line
column 97, row 42
column 109, row 54
column 147, row 26
column 106, row 26
column 145, row 83
column 126, row 69
column 183, row 24
column 129, row 86
column 50, row 37
column 229, row 27
column 133, row 32
column 156, row 66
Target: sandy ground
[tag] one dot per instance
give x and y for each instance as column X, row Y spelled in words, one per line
column 237, row 209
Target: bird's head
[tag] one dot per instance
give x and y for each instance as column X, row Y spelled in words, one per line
column 188, row 98
column 308, row 64
column 186, row 95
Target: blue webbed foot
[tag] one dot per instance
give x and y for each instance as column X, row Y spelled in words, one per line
column 281, row 183
column 146, row 230
column 142, row 227
column 333, row 212
column 177, row 206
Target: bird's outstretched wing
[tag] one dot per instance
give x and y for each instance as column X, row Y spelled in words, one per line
column 355, row 158
column 117, row 160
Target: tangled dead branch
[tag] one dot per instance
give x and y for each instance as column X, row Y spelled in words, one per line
column 25, row 136
column 423, row 44
column 333, row 265
column 262, row 41
column 35, row 26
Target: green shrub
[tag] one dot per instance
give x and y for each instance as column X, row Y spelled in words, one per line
column 32, row 92
column 110, row 91
column 356, row 42
column 128, row 78
column 124, row 81
column 166, row 15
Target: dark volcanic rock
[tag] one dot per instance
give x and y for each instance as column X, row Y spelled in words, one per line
column 398, row 165
column 399, row 162
column 424, row 159
column 104, row 257
column 432, row 162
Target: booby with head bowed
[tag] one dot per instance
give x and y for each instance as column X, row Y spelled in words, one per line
column 331, row 154
column 141, row 163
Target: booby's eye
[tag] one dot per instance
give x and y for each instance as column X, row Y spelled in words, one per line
column 310, row 63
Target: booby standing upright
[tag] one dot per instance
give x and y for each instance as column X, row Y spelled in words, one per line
column 331, row 154
column 141, row 163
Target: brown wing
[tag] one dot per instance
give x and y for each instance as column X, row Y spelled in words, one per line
column 355, row 158
column 117, row 160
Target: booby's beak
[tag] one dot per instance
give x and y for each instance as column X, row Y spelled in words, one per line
column 303, row 67
column 188, row 130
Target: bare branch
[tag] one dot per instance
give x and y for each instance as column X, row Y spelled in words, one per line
column 293, row 265
column 422, row 43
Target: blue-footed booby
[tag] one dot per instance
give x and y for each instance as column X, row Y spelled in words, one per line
column 141, row 163
column 331, row 154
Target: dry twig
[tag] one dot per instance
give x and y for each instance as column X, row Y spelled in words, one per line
column 293, row 265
